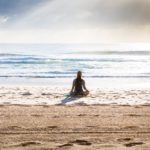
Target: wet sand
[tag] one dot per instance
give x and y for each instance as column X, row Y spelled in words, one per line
column 74, row 127
column 46, row 95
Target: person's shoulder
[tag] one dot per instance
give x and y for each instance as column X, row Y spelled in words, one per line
column 74, row 80
column 83, row 80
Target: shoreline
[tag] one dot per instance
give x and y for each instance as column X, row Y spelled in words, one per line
column 47, row 95
column 93, row 83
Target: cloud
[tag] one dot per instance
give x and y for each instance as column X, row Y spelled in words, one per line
column 14, row 9
column 130, row 12
column 95, row 20
column 3, row 19
column 10, row 7
column 87, row 13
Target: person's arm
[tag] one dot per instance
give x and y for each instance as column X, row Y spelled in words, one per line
column 73, row 85
column 84, row 85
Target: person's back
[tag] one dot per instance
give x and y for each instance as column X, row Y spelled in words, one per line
column 79, row 85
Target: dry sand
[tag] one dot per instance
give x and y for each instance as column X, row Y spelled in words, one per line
column 74, row 127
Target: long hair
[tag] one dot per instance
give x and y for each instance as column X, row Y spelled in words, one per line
column 79, row 79
column 79, row 75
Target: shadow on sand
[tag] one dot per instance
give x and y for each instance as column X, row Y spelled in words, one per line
column 70, row 98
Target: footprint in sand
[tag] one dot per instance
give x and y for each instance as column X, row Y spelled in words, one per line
column 35, row 115
column 81, row 142
column 52, row 127
column 29, row 143
column 124, row 139
column 56, row 96
column 134, row 115
column 131, row 127
column 25, row 144
column 133, row 144
column 26, row 94
column 46, row 94
column 91, row 126
column 66, row 145
column 78, row 142
column 81, row 115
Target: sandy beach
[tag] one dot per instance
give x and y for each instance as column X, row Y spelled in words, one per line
column 48, row 95
column 45, row 118
column 74, row 127
column 52, row 50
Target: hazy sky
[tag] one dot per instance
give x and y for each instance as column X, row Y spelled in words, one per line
column 74, row 21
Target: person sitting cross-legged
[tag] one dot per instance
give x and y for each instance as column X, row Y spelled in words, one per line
column 78, row 86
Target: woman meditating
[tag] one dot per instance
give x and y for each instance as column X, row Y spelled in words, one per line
column 78, row 86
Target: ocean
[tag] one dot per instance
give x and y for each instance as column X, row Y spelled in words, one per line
column 102, row 65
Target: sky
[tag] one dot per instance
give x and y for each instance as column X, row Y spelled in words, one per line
column 74, row 21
